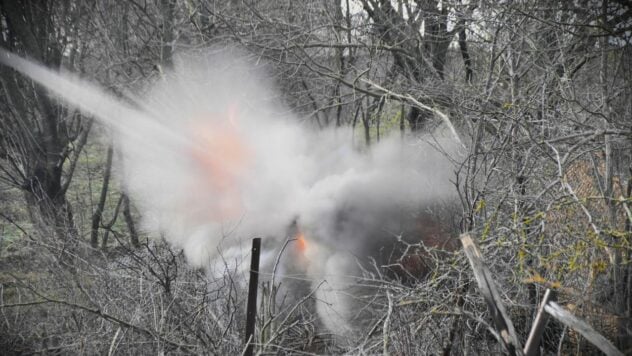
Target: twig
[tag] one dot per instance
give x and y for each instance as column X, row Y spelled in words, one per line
column 387, row 320
column 290, row 312
column 113, row 343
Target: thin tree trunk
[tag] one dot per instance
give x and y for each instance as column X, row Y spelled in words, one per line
column 402, row 124
column 367, row 128
column 108, row 226
column 129, row 220
column 98, row 212
column 167, row 8
column 466, row 55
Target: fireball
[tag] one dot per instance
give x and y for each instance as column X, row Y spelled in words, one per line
column 220, row 155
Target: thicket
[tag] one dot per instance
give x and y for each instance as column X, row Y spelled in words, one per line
column 539, row 91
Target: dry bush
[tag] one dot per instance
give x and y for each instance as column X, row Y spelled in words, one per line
column 144, row 301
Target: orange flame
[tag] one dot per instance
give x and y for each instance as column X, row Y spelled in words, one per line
column 221, row 157
column 301, row 242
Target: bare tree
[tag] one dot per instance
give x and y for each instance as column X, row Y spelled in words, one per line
column 41, row 139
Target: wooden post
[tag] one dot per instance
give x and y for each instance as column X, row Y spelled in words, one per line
column 487, row 287
column 533, row 342
column 568, row 319
column 504, row 326
column 251, row 310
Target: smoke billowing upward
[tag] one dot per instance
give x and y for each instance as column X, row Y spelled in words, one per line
column 213, row 158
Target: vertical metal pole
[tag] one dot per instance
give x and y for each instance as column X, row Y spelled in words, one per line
column 251, row 310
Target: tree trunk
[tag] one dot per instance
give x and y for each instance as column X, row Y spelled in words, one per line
column 98, row 212
column 424, row 58
column 44, row 149
column 127, row 213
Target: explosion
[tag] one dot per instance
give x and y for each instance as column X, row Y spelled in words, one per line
column 221, row 157
column 301, row 243
column 213, row 159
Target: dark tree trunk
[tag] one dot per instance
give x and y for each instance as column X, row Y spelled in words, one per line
column 43, row 147
column 417, row 118
column 98, row 212
column 424, row 58
column 129, row 220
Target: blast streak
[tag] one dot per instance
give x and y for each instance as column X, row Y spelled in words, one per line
column 86, row 97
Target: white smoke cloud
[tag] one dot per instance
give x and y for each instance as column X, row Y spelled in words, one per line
column 214, row 159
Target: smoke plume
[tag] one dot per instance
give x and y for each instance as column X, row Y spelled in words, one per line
column 213, row 158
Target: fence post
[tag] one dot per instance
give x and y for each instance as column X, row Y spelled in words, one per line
column 502, row 322
column 251, row 309
column 533, row 342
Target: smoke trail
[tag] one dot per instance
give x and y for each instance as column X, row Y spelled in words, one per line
column 213, row 159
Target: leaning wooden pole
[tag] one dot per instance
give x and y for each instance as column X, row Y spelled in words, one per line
column 502, row 322
column 587, row 331
column 535, row 335
column 251, row 309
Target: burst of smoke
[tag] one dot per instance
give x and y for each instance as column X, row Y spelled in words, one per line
column 213, row 159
